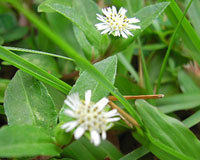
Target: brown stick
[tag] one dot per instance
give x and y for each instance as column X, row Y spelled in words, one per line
column 124, row 114
column 113, row 98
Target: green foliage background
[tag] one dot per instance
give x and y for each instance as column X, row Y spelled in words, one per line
column 51, row 42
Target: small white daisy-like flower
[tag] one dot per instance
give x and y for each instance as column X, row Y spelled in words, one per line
column 89, row 117
column 116, row 22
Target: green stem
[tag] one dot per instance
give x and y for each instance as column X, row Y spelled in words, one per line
column 170, row 47
column 146, row 75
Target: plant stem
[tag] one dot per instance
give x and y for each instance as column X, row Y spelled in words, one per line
column 124, row 114
column 112, row 98
column 146, row 75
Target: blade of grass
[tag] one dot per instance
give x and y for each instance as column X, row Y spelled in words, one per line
column 82, row 62
column 146, row 75
column 37, row 52
column 126, row 64
column 192, row 120
column 35, row 71
column 136, row 154
column 170, row 47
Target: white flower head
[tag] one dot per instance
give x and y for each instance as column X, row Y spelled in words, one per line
column 89, row 117
column 116, row 22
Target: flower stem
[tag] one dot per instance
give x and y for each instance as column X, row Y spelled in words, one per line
column 124, row 114
column 156, row 96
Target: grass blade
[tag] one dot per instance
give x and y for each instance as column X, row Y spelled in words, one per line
column 37, row 52
column 35, row 71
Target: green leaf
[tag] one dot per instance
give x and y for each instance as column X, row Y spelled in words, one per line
column 127, row 87
column 44, row 62
column 35, row 71
column 194, row 14
column 63, row 27
column 2, row 110
column 110, row 150
column 128, row 66
column 86, row 82
column 83, row 15
column 89, row 50
column 192, row 120
column 3, row 86
column 154, row 148
column 1, row 41
column 32, row 106
column 136, row 154
column 83, row 149
column 77, row 151
column 169, row 131
column 9, row 29
column 96, row 151
column 57, row 96
column 133, row 6
column 187, row 84
column 146, row 15
column 178, row 102
column 23, row 141
column 15, row 34
column 7, row 22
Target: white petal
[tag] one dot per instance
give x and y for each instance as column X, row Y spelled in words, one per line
column 110, row 32
column 88, row 94
column 105, row 12
column 124, row 35
column 73, row 101
column 101, row 103
column 114, row 10
column 117, row 33
column 128, row 32
column 105, row 31
column 133, row 20
column 113, row 119
column 79, row 132
column 95, row 137
column 131, row 26
column 111, row 113
column 70, row 113
column 100, row 17
column 122, row 11
column 101, row 26
column 69, row 125
column 103, row 135
column 68, row 103
column 109, row 126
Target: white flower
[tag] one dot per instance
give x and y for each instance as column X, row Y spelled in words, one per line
column 116, row 22
column 89, row 116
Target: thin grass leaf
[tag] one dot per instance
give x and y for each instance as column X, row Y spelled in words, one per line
column 136, row 154
column 128, row 66
column 192, row 120
column 36, row 52
column 33, row 70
